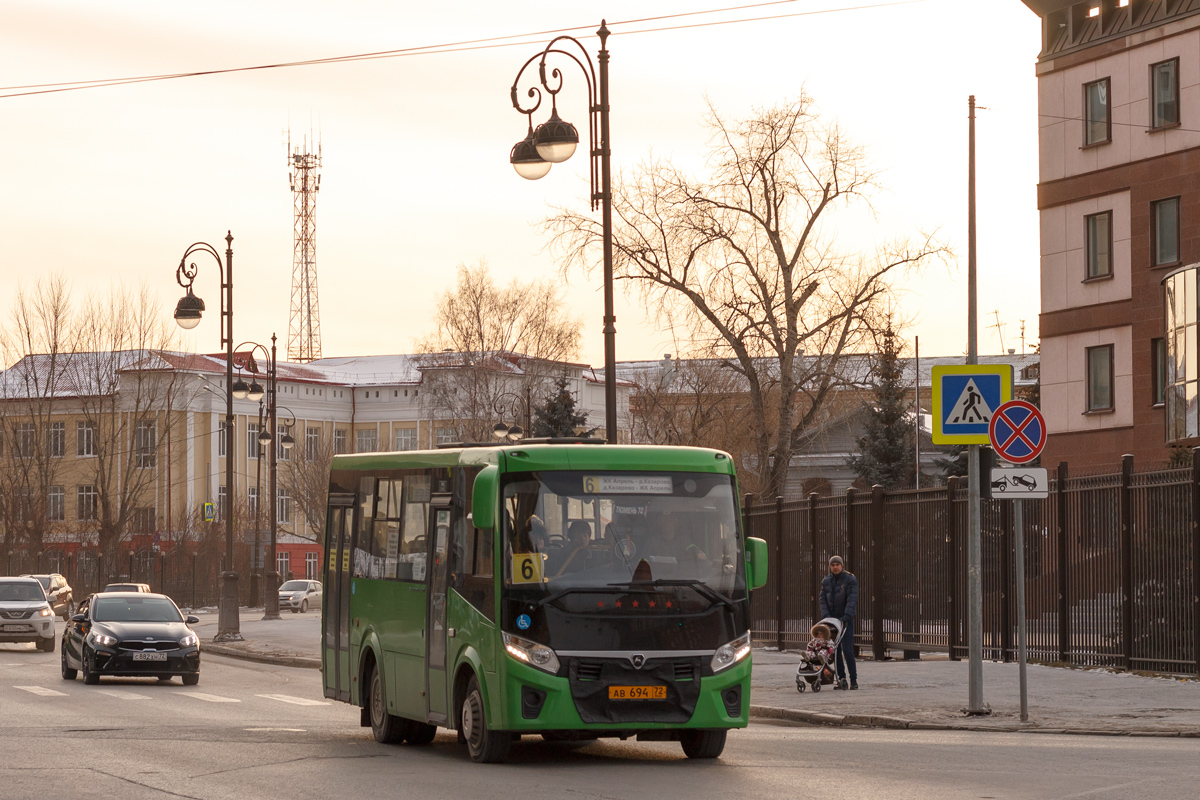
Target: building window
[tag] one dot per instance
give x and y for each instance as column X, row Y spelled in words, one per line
column 446, row 435
column 85, row 438
column 366, row 441
column 25, row 440
column 283, row 564
column 312, row 566
column 145, row 443
column 1158, row 370
column 1164, row 231
column 252, row 449
column 1180, row 355
column 56, row 439
column 221, row 439
column 252, row 500
column 85, row 503
column 339, row 442
column 1098, row 247
column 406, row 439
column 284, row 507
column 1097, row 127
column 1100, row 378
column 312, row 443
column 143, row 520
column 56, row 504
column 1164, row 93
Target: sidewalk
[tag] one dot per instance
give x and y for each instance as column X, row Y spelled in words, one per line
column 925, row 694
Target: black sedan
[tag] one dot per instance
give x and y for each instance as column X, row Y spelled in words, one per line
column 132, row 635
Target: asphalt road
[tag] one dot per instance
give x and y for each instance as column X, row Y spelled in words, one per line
column 250, row 731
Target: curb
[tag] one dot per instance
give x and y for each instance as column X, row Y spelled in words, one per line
column 880, row 721
column 263, row 658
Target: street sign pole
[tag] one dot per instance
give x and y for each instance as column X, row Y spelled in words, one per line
column 1019, row 556
column 975, row 704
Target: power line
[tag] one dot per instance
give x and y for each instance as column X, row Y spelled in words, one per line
column 451, row 47
column 1146, row 128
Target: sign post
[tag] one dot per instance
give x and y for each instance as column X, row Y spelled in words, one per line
column 1018, row 434
column 964, row 398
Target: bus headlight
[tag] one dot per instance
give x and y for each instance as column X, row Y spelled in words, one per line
column 532, row 653
column 731, row 653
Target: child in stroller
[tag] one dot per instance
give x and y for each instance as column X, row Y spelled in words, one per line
column 817, row 664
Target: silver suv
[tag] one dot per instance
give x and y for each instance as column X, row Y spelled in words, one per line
column 25, row 613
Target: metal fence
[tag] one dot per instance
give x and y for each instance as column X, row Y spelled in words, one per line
column 192, row 579
column 1111, row 565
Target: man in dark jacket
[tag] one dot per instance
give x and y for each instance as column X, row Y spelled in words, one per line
column 839, row 598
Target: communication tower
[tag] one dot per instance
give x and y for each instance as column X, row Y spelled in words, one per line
column 304, row 325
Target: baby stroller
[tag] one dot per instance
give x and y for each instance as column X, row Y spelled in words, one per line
column 821, row 670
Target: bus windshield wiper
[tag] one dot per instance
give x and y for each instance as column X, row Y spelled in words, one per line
column 702, row 588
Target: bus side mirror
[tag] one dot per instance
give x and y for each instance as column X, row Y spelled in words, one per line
column 484, row 498
column 756, row 563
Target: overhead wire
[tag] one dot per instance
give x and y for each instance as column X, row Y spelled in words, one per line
column 452, row 47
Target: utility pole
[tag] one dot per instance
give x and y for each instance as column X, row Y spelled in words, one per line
column 975, row 705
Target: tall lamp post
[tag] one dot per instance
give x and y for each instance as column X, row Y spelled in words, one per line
column 266, row 436
column 187, row 314
column 553, row 142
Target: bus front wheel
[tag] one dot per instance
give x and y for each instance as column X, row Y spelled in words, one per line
column 485, row 746
column 702, row 744
column 386, row 728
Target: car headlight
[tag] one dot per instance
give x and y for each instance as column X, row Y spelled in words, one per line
column 188, row 640
column 532, row 653
column 46, row 612
column 731, row 653
column 103, row 639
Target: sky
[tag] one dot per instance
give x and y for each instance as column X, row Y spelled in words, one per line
column 109, row 186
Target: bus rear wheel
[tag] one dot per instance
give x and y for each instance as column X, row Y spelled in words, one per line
column 485, row 746
column 702, row 744
column 386, row 728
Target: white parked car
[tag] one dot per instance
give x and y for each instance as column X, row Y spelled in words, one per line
column 299, row 595
column 25, row 613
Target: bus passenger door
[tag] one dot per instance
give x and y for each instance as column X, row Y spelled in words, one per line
column 335, row 610
column 435, row 680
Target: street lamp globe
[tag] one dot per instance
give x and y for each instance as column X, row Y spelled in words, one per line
column 264, row 437
column 515, row 433
column 188, row 311
column 555, row 139
column 526, row 161
column 500, row 430
column 286, row 441
column 240, row 390
column 255, row 392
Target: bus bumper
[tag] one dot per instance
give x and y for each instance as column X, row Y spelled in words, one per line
column 537, row 701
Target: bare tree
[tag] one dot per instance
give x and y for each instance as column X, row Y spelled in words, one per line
column 36, row 342
column 123, row 390
column 743, row 262
column 305, row 477
column 494, row 351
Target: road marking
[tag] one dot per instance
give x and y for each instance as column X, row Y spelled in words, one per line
column 208, row 698
column 299, row 701
column 266, row 730
column 41, row 690
column 121, row 695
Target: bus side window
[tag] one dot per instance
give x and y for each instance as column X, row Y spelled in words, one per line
column 471, row 551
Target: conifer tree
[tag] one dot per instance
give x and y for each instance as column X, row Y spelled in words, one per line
column 885, row 451
column 557, row 416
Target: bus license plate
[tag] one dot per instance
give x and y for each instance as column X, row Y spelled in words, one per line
column 637, row 693
column 149, row 656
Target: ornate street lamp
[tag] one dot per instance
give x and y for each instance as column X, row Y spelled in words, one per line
column 187, row 313
column 553, row 142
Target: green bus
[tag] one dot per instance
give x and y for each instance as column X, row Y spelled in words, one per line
column 566, row 588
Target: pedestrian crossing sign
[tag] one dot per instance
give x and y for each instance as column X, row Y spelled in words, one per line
column 964, row 398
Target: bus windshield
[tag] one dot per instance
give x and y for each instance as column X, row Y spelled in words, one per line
column 609, row 531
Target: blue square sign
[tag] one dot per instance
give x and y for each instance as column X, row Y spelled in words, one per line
column 964, row 399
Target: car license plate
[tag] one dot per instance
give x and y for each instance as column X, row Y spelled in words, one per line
column 637, row 693
column 15, row 628
column 149, row 656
